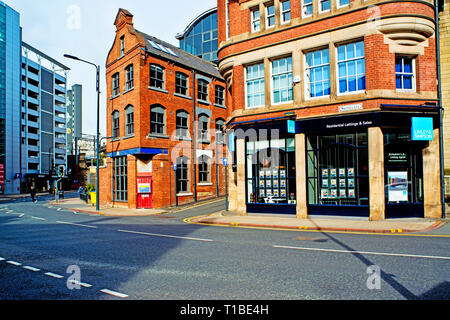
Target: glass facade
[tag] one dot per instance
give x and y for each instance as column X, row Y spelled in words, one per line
column 338, row 169
column 201, row 38
column 271, row 171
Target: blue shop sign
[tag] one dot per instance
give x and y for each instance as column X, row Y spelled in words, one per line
column 422, row 129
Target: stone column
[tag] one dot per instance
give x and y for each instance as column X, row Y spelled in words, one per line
column 240, row 188
column 300, row 172
column 376, row 171
column 431, row 179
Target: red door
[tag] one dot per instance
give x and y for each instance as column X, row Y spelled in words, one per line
column 145, row 192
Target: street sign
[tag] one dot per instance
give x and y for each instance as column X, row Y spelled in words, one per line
column 225, row 162
column 421, row 129
column 175, row 167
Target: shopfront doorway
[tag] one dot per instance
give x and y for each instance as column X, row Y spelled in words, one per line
column 403, row 176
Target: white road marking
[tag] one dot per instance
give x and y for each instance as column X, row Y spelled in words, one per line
column 14, row 263
column 85, row 285
column 2, row 259
column 54, row 275
column 76, row 224
column 364, row 252
column 37, row 218
column 113, row 293
column 31, row 268
column 165, row 236
column 59, row 209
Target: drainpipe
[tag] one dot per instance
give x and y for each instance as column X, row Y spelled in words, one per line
column 441, row 127
column 194, row 137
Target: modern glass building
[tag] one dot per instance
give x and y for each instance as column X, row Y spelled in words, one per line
column 74, row 114
column 10, row 47
column 200, row 36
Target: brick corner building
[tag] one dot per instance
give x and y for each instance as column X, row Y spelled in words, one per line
column 165, row 115
column 347, row 91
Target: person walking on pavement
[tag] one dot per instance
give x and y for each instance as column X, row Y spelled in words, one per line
column 33, row 194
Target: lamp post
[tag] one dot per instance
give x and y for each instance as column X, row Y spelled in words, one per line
column 97, row 67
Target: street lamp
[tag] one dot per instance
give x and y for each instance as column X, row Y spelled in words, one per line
column 98, row 125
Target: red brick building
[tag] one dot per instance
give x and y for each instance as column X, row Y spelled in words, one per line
column 348, row 85
column 165, row 107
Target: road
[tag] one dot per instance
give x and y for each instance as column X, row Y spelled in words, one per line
column 163, row 258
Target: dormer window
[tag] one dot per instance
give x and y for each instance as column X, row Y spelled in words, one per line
column 122, row 46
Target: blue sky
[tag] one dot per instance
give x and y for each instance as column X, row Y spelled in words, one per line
column 85, row 28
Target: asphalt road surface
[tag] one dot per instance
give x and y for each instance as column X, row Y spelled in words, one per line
column 48, row 253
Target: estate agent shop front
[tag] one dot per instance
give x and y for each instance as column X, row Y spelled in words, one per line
column 379, row 164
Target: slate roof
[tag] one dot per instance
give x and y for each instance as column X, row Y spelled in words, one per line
column 182, row 57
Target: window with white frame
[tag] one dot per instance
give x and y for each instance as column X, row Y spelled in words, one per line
column 324, row 5
column 351, row 67
column 270, row 16
column 255, row 86
column 181, row 84
column 404, row 73
column 256, row 20
column 343, row 3
column 317, row 73
column 285, row 11
column 282, row 80
column 307, row 8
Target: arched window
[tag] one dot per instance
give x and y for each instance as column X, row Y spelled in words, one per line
column 220, row 96
column 202, row 90
column 115, row 84
column 129, row 81
column 157, row 120
column 182, row 124
column 182, row 175
column 181, row 84
column 116, row 124
column 129, row 120
column 220, row 130
column 203, row 128
column 203, row 169
column 156, row 77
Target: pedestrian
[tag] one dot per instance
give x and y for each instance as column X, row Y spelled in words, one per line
column 33, row 194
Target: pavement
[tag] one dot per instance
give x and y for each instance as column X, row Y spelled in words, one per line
column 313, row 223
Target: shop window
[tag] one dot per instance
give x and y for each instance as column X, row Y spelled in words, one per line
column 338, row 169
column 282, row 80
column 182, row 175
column 403, row 168
column 120, row 180
column 318, row 73
column 351, row 67
column 271, row 171
column 255, row 86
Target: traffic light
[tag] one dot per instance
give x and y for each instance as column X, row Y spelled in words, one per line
column 60, row 171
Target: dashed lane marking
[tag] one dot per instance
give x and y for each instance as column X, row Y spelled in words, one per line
column 31, row 268
column 165, row 236
column 37, row 218
column 76, row 224
column 14, row 263
column 114, row 293
column 54, row 275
